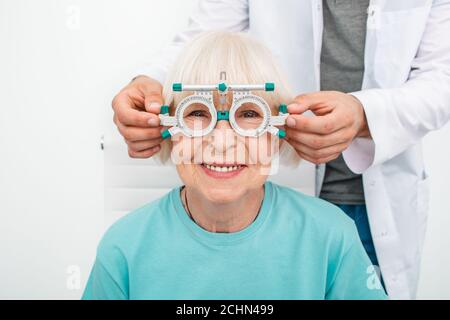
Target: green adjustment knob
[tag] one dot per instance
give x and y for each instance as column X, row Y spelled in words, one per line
column 281, row 134
column 177, row 87
column 222, row 87
column 270, row 86
column 164, row 110
column 283, row 108
column 165, row 134
column 223, row 115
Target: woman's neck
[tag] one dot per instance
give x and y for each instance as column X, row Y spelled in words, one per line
column 223, row 217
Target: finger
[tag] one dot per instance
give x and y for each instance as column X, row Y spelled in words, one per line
column 295, row 108
column 152, row 106
column 317, row 141
column 309, row 99
column 320, row 102
column 133, row 134
column 318, row 153
column 127, row 115
column 318, row 161
column 153, row 103
column 153, row 97
column 151, row 91
column 318, row 124
column 145, row 153
column 139, row 146
column 313, row 98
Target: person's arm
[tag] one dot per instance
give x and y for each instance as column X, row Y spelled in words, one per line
column 352, row 275
column 109, row 277
column 141, row 130
column 399, row 117
column 102, row 285
column 372, row 126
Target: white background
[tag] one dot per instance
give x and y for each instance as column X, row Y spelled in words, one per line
column 61, row 62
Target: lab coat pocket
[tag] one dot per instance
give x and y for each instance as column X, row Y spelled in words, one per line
column 396, row 38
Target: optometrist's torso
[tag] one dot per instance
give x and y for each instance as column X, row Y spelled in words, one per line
column 396, row 191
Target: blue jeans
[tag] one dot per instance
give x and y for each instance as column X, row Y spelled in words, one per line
column 359, row 214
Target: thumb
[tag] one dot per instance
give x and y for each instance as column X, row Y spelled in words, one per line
column 153, row 99
column 153, row 104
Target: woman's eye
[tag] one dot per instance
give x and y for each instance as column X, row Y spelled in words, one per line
column 197, row 113
column 249, row 114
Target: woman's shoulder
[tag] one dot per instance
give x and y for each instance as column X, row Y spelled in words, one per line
column 316, row 219
column 297, row 205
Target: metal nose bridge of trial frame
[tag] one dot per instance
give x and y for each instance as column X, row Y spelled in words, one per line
column 241, row 94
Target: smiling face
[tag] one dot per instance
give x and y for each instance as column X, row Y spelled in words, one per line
column 223, row 166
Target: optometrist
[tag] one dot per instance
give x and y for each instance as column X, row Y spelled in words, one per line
column 383, row 68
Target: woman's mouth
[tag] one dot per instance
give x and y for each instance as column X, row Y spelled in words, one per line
column 222, row 171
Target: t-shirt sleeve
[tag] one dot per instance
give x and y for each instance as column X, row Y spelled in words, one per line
column 355, row 277
column 101, row 285
column 109, row 276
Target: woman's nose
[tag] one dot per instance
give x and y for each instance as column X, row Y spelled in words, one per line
column 223, row 136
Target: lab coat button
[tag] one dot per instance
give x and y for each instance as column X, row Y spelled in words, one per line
column 372, row 183
column 384, row 233
column 371, row 10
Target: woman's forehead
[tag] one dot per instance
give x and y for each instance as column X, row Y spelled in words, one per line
column 224, row 104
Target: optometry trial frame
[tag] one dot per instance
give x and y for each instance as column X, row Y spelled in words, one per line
column 197, row 116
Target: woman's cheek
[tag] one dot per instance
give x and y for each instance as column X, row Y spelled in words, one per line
column 261, row 149
column 186, row 150
column 183, row 173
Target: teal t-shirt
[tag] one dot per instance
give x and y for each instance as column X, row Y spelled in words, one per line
column 298, row 247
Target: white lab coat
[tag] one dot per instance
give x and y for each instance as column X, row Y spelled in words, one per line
column 405, row 94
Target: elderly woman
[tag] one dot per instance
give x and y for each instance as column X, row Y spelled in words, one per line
column 227, row 233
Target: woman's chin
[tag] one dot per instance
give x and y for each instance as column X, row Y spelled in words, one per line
column 221, row 187
column 222, row 195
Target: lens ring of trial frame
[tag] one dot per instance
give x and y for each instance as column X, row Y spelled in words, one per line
column 205, row 100
column 262, row 105
column 241, row 94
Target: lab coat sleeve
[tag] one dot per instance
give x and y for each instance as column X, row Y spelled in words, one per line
column 399, row 117
column 230, row 15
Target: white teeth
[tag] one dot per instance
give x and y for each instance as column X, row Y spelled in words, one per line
column 223, row 168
